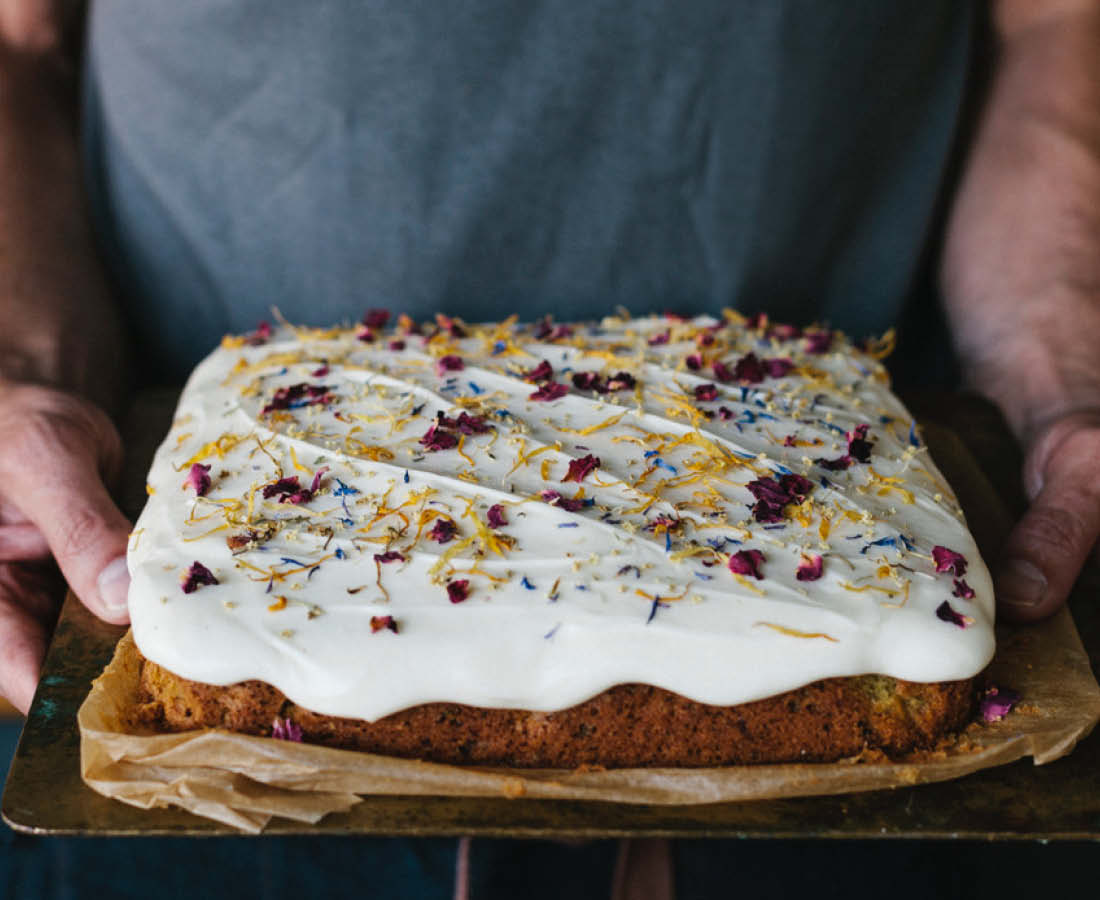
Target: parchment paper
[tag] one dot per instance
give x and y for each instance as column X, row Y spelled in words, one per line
column 244, row 781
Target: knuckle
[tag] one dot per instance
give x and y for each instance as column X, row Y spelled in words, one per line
column 81, row 530
column 1051, row 532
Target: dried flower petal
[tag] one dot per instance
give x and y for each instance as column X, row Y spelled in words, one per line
column 749, row 369
column 452, row 326
column 458, row 590
column 199, row 479
column 963, row 590
column 285, row 730
column 552, row 390
column 997, row 703
column 569, row 504
column 784, row 332
column 376, row 318
column 660, row 338
column 949, row 561
column 586, row 381
column 694, row 361
column 818, row 342
column 315, row 485
column 298, row 395
column 834, row 465
column 747, row 562
column 383, row 623
column 388, row 557
column 810, row 569
column 443, row 531
column 436, row 438
column 195, row 577
column 946, row 612
column 721, row 371
column 542, row 372
column 859, row 448
column 496, row 516
column 620, row 381
column 705, row 392
column 449, row 363
column 777, row 368
column 287, row 490
column 579, row 468
column 261, row 335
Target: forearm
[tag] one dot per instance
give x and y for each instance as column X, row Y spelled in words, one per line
column 1021, row 272
column 58, row 322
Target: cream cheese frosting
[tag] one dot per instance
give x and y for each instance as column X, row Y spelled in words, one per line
column 501, row 515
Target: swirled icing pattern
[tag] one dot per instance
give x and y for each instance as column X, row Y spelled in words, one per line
column 523, row 516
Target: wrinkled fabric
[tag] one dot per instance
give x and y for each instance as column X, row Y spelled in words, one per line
column 488, row 157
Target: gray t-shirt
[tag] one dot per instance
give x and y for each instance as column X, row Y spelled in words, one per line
column 491, row 156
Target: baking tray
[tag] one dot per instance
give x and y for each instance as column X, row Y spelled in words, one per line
column 45, row 795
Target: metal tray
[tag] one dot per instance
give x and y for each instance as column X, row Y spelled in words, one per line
column 45, row 795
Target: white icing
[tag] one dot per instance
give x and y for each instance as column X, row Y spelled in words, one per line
column 587, row 622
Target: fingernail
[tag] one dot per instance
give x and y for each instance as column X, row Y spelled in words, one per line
column 1021, row 584
column 114, row 584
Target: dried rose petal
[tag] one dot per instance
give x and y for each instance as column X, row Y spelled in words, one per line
column 834, row 465
column 859, row 448
column 396, row 345
column 452, row 326
column 365, row 334
column 449, row 363
column 316, row 483
column 777, row 368
column 587, row 381
column 199, row 479
column 798, row 487
column 620, row 381
column 285, row 730
column 458, row 590
column 436, row 438
column 997, row 703
column 721, row 371
column 818, row 342
column 574, row 504
column 810, row 569
column 579, row 468
column 552, row 390
column 658, row 339
column 694, row 361
column 949, row 561
column 747, row 562
column 195, row 577
column 407, row 325
column 773, row 496
column 725, row 413
column 963, row 590
column 287, row 490
column 749, row 369
column 260, row 336
column 496, row 516
column 542, row 372
column 946, row 612
column 320, row 372
column 784, row 332
column 443, row 531
column 388, row 557
column 705, row 392
column 383, row 623
column 376, row 318
column 298, row 395
column 757, row 321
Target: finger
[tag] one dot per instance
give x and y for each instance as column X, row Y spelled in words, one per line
column 22, row 542
column 37, row 588
column 22, row 649
column 68, row 502
column 1047, row 549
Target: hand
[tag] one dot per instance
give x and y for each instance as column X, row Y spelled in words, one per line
column 56, row 452
column 1048, row 547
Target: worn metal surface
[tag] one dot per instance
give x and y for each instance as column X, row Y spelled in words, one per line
column 44, row 793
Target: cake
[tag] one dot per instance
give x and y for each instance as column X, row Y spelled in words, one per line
column 661, row 541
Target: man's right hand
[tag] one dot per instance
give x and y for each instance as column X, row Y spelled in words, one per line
column 56, row 454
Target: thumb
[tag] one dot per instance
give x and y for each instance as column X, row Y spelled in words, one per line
column 51, row 473
column 1048, row 547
